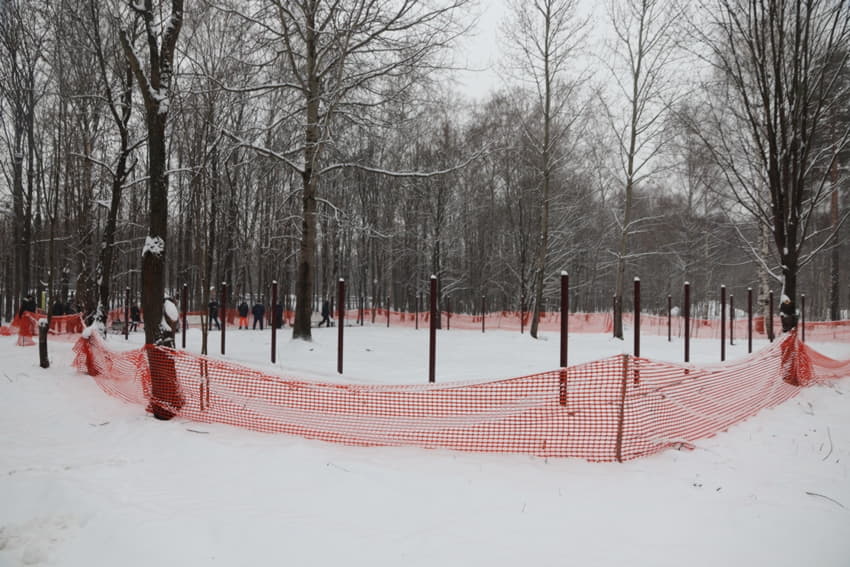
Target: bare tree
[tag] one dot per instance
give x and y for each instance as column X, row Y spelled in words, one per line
column 779, row 63
column 114, row 87
column 22, row 43
column 339, row 60
column 155, row 74
column 544, row 38
column 644, row 48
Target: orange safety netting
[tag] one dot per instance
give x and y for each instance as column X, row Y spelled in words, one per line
column 618, row 408
column 26, row 326
column 551, row 322
column 599, row 323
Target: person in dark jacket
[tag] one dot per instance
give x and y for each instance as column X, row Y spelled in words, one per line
column 58, row 308
column 214, row 314
column 135, row 317
column 243, row 315
column 259, row 312
column 326, row 313
column 27, row 305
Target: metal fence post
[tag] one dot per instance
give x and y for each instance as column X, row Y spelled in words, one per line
column 185, row 303
column 565, row 316
column 224, row 313
column 749, row 320
column 341, row 306
column 432, row 344
column 687, row 310
column 274, row 321
column 722, row 323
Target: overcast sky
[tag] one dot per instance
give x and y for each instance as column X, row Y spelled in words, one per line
column 480, row 52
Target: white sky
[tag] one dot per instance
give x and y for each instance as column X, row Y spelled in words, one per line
column 480, row 51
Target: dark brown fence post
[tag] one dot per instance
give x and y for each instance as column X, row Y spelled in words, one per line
column 749, row 320
column 769, row 323
column 127, row 315
column 432, row 343
column 341, row 302
column 803, row 317
column 274, row 321
column 722, row 323
column 388, row 312
column 448, row 313
column 637, row 317
column 43, row 328
column 565, row 316
column 223, row 301
column 687, row 311
column 669, row 318
column 184, row 316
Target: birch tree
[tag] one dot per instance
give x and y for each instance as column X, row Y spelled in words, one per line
column 643, row 50
column 544, row 37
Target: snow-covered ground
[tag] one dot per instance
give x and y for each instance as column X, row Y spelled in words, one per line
column 88, row 480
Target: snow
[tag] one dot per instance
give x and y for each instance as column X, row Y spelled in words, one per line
column 88, row 479
column 171, row 310
column 153, row 245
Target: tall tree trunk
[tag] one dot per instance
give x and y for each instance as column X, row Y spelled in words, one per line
column 153, row 256
column 764, row 277
column 309, row 179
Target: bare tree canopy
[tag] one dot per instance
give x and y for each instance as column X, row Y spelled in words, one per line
column 781, row 72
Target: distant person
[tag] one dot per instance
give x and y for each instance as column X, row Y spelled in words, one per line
column 214, row 314
column 243, row 315
column 259, row 312
column 27, row 305
column 58, row 308
column 135, row 317
column 326, row 314
column 277, row 316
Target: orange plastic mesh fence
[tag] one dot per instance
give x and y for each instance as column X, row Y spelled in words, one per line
column 26, row 326
column 617, row 408
column 551, row 322
column 600, row 323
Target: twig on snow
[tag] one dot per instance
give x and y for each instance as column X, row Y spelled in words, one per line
column 826, row 497
column 829, row 436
